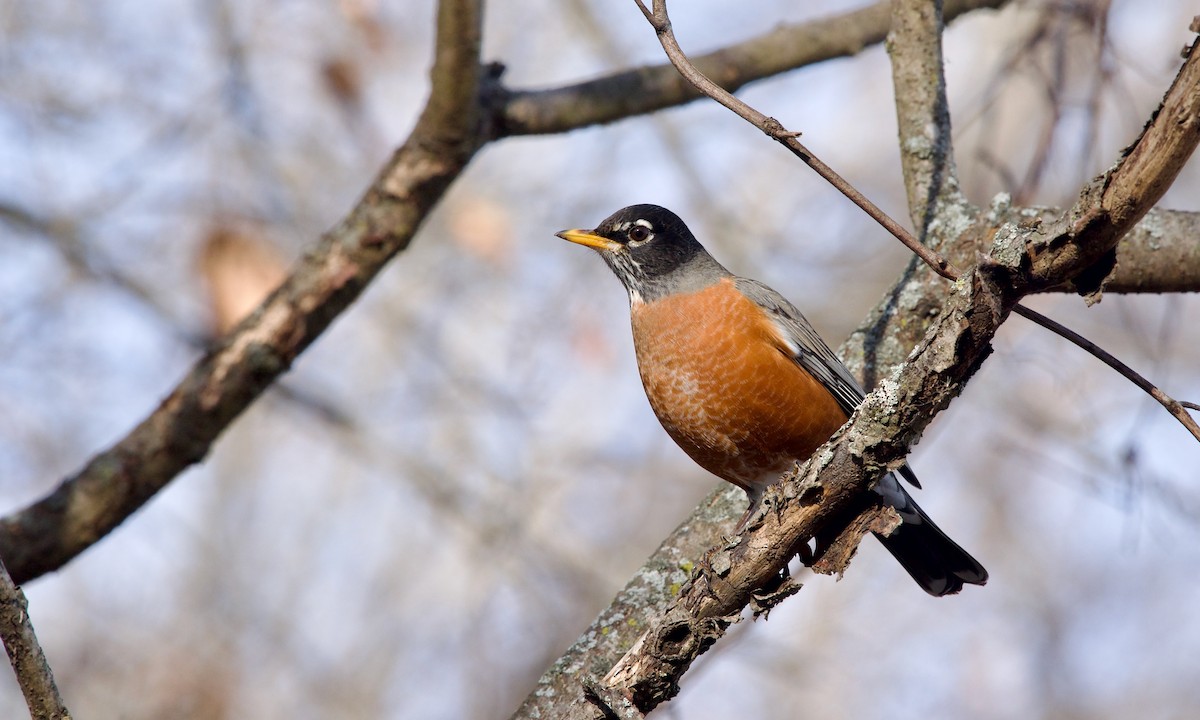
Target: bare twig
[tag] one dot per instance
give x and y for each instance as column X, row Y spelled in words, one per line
column 776, row 131
column 28, row 661
column 1175, row 407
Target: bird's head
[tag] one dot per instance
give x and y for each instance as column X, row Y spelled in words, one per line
column 651, row 250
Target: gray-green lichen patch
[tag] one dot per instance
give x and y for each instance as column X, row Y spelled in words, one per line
column 1008, row 246
column 953, row 219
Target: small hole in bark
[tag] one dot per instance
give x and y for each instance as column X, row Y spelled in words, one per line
column 675, row 638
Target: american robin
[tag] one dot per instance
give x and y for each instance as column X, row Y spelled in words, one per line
column 742, row 382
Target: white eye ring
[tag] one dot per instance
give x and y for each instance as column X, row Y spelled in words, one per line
column 638, row 234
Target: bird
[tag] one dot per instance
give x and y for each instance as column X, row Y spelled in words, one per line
column 742, row 382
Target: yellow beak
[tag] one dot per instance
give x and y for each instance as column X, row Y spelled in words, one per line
column 589, row 239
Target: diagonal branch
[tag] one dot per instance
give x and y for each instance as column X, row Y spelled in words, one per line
column 28, row 661
column 115, row 483
column 1174, row 407
column 661, row 22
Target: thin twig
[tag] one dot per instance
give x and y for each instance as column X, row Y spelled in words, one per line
column 1175, row 407
column 28, row 660
column 661, row 22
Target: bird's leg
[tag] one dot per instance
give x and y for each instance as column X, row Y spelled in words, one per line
column 754, row 496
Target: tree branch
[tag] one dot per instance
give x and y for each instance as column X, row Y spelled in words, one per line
column 923, row 113
column 1174, row 407
column 88, row 505
column 660, row 20
column 1161, row 254
column 647, row 89
column 28, row 661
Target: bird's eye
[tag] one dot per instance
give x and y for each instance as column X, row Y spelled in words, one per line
column 638, row 233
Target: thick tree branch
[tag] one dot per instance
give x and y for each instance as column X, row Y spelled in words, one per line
column 923, row 113
column 1161, row 254
column 647, row 89
column 25, row 653
column 88, row 505
column 1114, row 202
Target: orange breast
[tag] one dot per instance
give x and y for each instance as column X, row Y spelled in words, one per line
column 719, row 377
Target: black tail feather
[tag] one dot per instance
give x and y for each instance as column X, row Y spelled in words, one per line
column 935, row 561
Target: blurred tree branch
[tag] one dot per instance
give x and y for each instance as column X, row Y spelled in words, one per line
column 25, row 653
column 647, row 89
column 115, row 483
column 923, row 116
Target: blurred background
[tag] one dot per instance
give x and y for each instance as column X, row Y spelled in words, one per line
column 461, row 473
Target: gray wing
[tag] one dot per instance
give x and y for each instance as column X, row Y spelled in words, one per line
column 808, row 349
column 811, row 353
